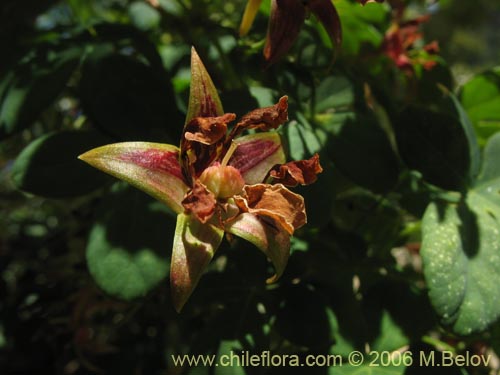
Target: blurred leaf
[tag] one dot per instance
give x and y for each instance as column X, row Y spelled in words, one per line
column 436, row 145
column 33, row 85
column 129, row 246
column 302, row 302
column 230, row 348
column 375, row 219
column 143, row 16
column 431, row 81
column 49, row 166
column 333, row 94
column 128, row 99
column 481, row 99
column 359, row 25
column 460, row 252
column 362, row 151
column 355, row 141
column 367, row 369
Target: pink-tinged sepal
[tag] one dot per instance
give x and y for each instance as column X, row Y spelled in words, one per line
column 250, row 12
column 151, row 167
column 272, row 241
column 256, row 154
column 325, row 12
column 194, row 246
column 286, row 19
column 204, row 100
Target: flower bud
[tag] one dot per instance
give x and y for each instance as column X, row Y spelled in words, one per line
column 223, row 181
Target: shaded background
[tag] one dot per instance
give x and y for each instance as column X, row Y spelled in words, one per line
column 84, row 260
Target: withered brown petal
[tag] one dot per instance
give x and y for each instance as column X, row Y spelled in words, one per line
column 208, row 130
column 286, row 19
column 274, row 202
column 264, row 119
column 200, row 202
column 302, row 172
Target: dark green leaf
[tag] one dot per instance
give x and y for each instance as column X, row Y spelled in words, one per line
column 33, row 86
column 130, row 244
column 128, row 99
column 49, row 166
column 362, row 151
column 436, row 145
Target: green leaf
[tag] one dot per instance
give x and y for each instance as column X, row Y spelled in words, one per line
column 194, row 246
column 481, row 99
column 436, row 145
column 360, row 25
column 377, row 220
column 362, row 151
column 460, row 251
column 49, row 166
column 152, row 167
column 129, row 245
column 143, row 16
column 33, row 86
column 302, row 301
column 128, row 99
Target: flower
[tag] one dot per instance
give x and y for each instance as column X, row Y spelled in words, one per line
column 286, row 19
column 399, row 42
column 217, row 182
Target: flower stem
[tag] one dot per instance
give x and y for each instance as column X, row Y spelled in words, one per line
column 229, row 153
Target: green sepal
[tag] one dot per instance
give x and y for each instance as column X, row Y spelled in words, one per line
column 194, row 246
column 204, row 99
column 274, row 244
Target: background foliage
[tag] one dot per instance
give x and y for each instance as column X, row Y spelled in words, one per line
column 402, row 249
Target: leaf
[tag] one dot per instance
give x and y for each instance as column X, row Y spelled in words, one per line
column 32, row 86
column 362, row 151
column 204, row 99
column 194, row 246
column 334, row 93
column 301, row 301
column 460, row 251
column 436, row 145
column 303, row 142
column 481, row 99
column 143, row 16
column 129, row 245
column 151, row 167
column 128, row 99
column 49, row 166
column 377, row 220
column 359, row 25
